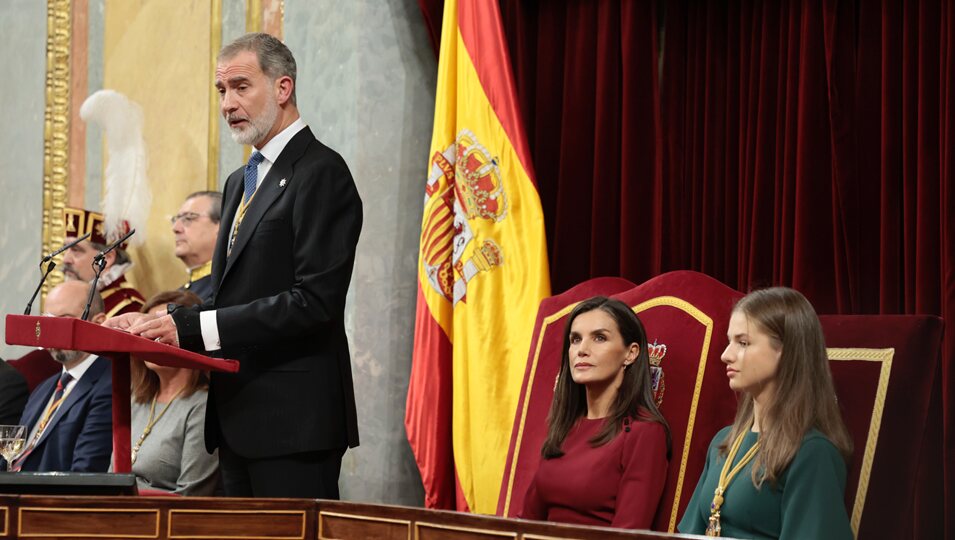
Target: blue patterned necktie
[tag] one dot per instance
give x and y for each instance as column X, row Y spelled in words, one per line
column 252, row 175
column 51, row 409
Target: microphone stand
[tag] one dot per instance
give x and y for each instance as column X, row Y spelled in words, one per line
column 49, row 268
column 99, row 263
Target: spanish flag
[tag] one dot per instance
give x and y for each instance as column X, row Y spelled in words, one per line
column 482, row 270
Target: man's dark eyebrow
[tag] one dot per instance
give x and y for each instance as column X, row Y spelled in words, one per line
column 232, row 81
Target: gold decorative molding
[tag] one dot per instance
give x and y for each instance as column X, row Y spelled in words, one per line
column 56, row 129
column 253, row 15
column 262, row 514
column 470, row 531
column 354, row 517
column 884, row 358
column 145, row 512
column 215, row 43
column 707, row 324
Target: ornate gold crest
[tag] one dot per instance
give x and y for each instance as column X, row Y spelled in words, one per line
column 657, row 352
column 38, row 332
column 464, row 189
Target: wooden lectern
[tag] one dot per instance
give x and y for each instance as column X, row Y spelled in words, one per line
column 75, row 334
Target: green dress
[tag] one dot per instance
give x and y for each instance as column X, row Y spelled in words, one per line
column 807, row 501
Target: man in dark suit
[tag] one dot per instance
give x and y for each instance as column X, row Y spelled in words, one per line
column 69, row 417
column 13, row 393
column 281, row 269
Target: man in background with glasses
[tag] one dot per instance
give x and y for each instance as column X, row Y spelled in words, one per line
column 196, row 227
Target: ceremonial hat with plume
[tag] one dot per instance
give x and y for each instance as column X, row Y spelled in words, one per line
column 127, row 196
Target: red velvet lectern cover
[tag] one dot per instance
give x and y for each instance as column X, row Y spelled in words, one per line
column 74, row 334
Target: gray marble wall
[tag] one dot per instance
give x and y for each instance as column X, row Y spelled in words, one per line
column 230, row 154
column 366, row 87
column 22, row 62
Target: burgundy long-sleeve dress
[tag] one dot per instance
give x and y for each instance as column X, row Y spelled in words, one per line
column 618, row 484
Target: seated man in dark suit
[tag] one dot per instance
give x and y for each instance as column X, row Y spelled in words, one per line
column 13, row 394
column 69, row 416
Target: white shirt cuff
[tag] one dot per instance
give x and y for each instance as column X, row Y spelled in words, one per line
column 210, row 330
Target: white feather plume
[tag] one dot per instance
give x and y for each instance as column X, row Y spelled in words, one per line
column 127, row 196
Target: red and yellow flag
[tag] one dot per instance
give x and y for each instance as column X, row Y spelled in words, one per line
column 482, row 270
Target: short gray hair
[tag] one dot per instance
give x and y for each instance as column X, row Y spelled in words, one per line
column 215, row 203
column 275, row 59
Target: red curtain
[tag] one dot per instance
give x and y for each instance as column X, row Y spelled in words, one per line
column 806, row 143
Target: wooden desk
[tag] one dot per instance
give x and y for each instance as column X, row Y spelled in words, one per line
column 47, row 517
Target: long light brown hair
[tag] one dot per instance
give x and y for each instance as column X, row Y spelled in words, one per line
column 145, row 382
column 634, row 398
column 805, row 396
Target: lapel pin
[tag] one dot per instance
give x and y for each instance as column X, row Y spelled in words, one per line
column 282, row 182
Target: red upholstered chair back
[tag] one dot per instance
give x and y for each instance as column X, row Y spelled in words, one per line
column 885, row 369
column 888, row 383
column 685, row 315
column 36, row 366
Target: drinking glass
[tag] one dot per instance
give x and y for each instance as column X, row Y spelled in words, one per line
column 12, row 441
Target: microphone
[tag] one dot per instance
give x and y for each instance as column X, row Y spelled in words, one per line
column 99, row 263
column 50, row 268
column 64, row 248
column 114, row 245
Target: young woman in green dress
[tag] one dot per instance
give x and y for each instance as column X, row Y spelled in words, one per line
column 779, row 471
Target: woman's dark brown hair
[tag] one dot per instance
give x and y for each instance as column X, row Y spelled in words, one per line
column 805, row 395
column 145, row 382
column 634, row 398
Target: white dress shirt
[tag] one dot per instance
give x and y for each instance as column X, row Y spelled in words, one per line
column 271, row 152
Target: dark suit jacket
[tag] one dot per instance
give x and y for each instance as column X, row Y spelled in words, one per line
column 13, row 394
column 279, row 301
column 201, row 287
column 80, row 435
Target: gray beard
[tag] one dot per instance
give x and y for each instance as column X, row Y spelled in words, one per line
column 258, row 127
column 65, row 357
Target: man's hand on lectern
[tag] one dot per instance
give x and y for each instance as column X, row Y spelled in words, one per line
column 161, row 329
column 127, row 320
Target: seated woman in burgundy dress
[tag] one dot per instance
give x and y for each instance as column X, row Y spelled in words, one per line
column 607, row 447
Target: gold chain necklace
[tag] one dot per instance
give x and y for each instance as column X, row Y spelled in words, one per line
column 726, row 476
column 152, row 422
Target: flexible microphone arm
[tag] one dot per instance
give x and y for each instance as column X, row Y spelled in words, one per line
column 64, row 248
column 49, row 269
column 99, row 263
column 102, row 254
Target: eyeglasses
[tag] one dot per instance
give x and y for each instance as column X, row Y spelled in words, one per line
column 187, row 218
